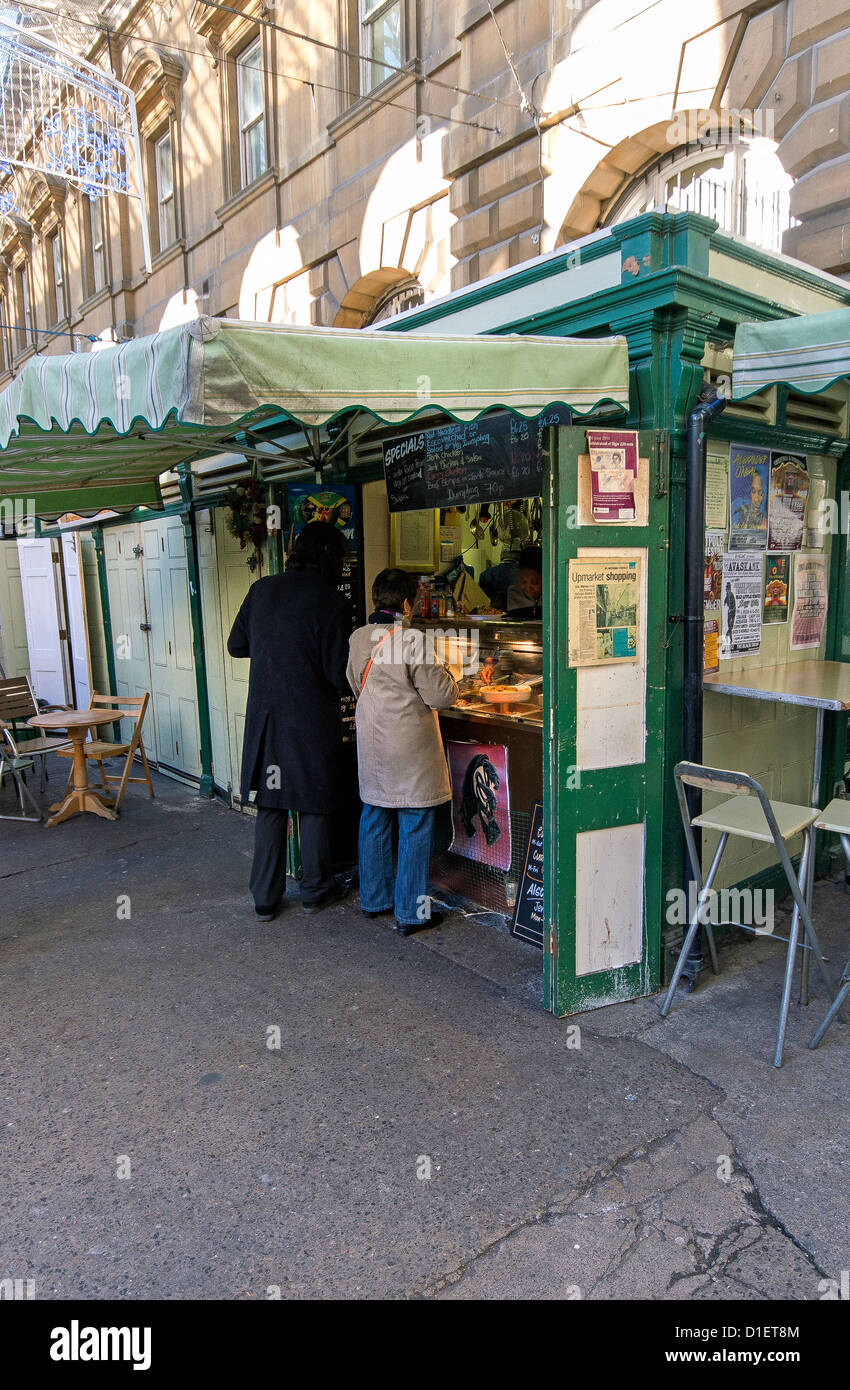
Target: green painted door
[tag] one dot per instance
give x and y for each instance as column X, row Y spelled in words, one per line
column 605, row 764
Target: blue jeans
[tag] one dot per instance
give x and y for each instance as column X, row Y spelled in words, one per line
column 407, row 892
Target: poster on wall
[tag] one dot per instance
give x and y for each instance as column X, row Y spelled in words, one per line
column 810, row 601
column 613, row 474
column 777, row 570
column 740, row 626
column 789, row 491
column 711, row 647
column 604, row 598
column 481, row 811
column 715, row 544
column 749, row 483
column 717, row 492
column 816, row 514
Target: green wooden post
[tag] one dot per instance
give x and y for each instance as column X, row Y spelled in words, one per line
column 190, row 535
column 106, row 615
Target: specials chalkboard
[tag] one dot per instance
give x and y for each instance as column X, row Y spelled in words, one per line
column 499, row 456
column 528, row 923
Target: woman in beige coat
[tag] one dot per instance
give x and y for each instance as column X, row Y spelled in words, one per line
column 400, row 755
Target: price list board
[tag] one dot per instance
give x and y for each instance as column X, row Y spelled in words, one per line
column 528, row 921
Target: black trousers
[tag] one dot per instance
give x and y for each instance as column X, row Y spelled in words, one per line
column 268, row 871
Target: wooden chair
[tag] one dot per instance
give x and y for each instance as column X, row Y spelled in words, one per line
column 17, row 701
column 132, row 707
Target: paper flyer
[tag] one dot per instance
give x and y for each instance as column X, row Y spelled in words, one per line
column 777, row 570
column 717, row 492
column 789, row 491
column 810, row 600
column 740, row 632
column 816, row 514
column 711, row 647
column 613, row 473
column 749, row 483
column 603, row 605
column 715, row 544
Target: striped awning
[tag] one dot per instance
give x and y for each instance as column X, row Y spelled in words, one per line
column 93, row 430
column 809, row 352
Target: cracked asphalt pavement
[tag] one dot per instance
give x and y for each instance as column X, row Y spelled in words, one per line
column 423, row 1129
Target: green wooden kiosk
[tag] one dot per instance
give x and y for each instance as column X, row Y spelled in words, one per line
column 676, row 287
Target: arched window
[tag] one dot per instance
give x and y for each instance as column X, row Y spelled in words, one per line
column 407, row 295
column 743, row 186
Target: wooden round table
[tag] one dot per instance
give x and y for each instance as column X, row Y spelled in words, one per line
column 81, row 796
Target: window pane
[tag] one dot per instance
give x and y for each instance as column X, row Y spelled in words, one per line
column 383, row 42
column 164, row 169
column 254, row 151
column 98, row 255
column 250, row 86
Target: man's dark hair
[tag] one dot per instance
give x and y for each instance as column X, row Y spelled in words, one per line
column 531, row 559
column 391, row 588
column 321, row 547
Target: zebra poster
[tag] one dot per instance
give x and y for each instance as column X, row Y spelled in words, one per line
column 481, row 812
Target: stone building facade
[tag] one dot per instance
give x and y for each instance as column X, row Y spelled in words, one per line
column 334, row 162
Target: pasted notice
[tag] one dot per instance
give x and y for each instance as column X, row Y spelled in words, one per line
column 716, row 493
column 776, row 572
column 613, row 473
column 715, row 544
column 528, row 921
column 740, row 631
column 711, row 646
column 810, row 600
column 749, row 481
column 789, row 492
column 603, row 605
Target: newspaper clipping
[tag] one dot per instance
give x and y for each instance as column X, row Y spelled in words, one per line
column 810, row 599
column 742, row 605
column 604, row 603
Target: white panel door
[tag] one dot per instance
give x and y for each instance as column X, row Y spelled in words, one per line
column 41, row 611
column 14, row 654
column 128, row 618
column 174, row 695
column 223, row 774
column 77, row 625
column 235, row 579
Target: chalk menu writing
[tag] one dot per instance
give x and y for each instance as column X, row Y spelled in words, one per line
column 528, row 923
column 499, row 456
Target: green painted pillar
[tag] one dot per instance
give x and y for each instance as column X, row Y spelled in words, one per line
column 191, row 539
column 106, row 615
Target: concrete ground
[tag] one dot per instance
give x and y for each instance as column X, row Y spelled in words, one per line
column 423, row 1129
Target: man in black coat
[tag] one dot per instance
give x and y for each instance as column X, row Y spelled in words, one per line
column 295, row 628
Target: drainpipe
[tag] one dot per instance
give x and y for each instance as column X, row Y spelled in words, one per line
column 698, row 420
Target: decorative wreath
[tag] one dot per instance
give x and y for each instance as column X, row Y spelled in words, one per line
column 247, row 519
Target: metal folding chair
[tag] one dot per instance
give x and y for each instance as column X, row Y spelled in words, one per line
column 836, row 818
column 17, row 766
column 751, row 817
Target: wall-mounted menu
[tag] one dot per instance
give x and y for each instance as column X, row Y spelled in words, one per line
column 528, row 922
column 496, row 457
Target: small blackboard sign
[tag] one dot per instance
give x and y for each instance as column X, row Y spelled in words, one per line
column 499, row 456
column 528, row 923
